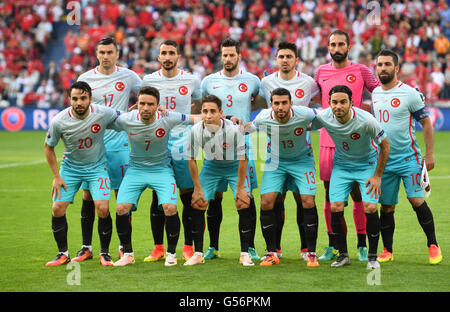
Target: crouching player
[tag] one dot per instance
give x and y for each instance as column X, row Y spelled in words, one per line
column 148, row 133
column 81, row 127
column 288, row 156
column 355, row 133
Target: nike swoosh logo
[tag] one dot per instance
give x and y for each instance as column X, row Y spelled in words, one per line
column 173, row 198
column 417, row 190
column 174, row 235
column 310, row 225
column 216, row 87
column 105, row 194
column 325, row 79
column 243, row 232
column 132, row 133
column 312, row 188
column 267, row 226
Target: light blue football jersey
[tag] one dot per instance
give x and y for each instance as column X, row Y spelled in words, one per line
column 288, row 141
column 396, row 110
column 113, row 91
column 149, row 142
column 236, row 92
column 355, row 140
column 302, row 87
column 176, row 94
column 224, row 146
column 83, row 138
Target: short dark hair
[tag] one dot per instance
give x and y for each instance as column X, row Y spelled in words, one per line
column 81, row 85
column 228, row 42
column 148, row 90
column 171, row 43
column 288, row 46
column 280, row 91
column 387, row 52
column 341, row 89
column 212, row 98
column 107, row 41
column 340, row 32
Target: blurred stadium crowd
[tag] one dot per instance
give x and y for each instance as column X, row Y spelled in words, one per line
column 419, row 31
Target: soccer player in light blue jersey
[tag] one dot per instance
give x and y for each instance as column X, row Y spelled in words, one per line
column 235, row 88
column 355, row 133
column 290, row 156
column 396, row 106
column 148, row 133
column 81, row 127
column 111, row 87
column 302, row 88
column 225, row 163
column 179, row 92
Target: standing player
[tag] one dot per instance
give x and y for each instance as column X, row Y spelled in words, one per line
column 111, row 86
column 395, row 106
column 177, row 89
column 302, row 88
column 225, row 155
column 236, row 89
column 148, row 133
column 355, row 133
column 340, row 71
column 290, row 156
column 81, row 127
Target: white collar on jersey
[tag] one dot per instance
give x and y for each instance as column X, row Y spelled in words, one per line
column 222, row 124
column 271, row 114
column 353, row 114
column 297, row 74
column 158, row 116
column 97, row 71
column 221, row 74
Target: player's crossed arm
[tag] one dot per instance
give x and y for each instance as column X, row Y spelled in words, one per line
column 248, row 128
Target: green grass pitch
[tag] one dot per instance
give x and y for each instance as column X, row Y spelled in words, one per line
column 27, row 240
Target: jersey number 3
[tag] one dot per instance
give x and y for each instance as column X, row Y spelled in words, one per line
column 230, row 100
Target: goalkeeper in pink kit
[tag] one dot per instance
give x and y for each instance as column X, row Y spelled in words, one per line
column 341, row 71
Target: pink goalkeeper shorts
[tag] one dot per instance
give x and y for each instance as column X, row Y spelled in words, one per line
column 326, row 155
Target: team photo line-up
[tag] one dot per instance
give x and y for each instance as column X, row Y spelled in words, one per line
column 366, row 151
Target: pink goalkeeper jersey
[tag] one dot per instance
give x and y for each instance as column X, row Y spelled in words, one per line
column 355, row 76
